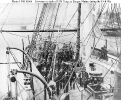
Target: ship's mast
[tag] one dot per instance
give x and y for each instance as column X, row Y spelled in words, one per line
column 78, row 32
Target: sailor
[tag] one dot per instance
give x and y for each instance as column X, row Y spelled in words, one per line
column 104, row 52
column 85, row 78
column 49, row 60
column 95, row 80
column 92, row 66
column 46, row 54
column 80, row 79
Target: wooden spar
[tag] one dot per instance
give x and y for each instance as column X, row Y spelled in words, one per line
column 110, row 29
column 29, row 39
column 10, row 63
column 62, row 30
column 78, row 32
column 23, row 50
column 106, row 43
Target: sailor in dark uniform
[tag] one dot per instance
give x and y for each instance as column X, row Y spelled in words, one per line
column 85, row 78
column 92, row 66
column 104, row 53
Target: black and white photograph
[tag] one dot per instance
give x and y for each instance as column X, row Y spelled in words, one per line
column 60, row 50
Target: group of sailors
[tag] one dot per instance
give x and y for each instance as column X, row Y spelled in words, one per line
column 64, row 66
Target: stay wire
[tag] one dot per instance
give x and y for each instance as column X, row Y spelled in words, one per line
column 85, row 19
column 6, row 17
column 17, row 94
column 49, row 8
column 20, row 92
column 39, row 24
column 1, row 98
column 91, row 31
column 46, row 18
column 15, row 59
column 68, row 23
column 56, row 17
column 3, row 9
column 22, row 87
column 17, row 35
column 65, row 14
column 36, row 17
column 81, row 23
column 62, row 22
column 39, row 93
column 4, row 24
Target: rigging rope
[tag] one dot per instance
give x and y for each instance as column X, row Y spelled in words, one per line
column 6, row 17
column 68, row 23
column 49, row 8
column 15, row 59
column 84, row 20
column 20, row 92
column 38, row 93
column 23, row 87
column 91, row 31
column 17, row 35
column 51, row 16
column 63, row 17
column 65, row 14
column 1, row 98
column 55, row 18
column 39, row 26
column 36, row 16
column 3, row 9
column 4, row 24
